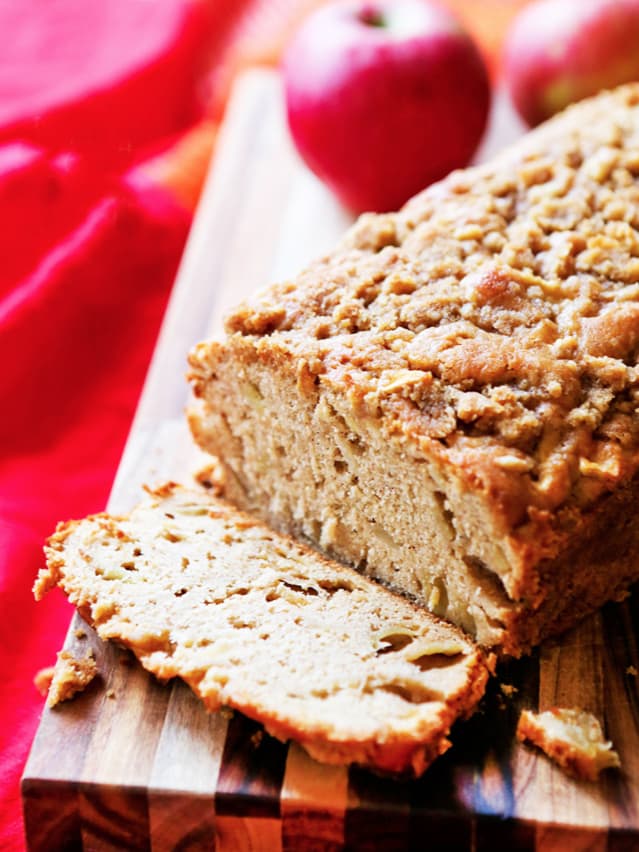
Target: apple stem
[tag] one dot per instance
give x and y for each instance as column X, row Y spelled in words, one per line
column 371, row 15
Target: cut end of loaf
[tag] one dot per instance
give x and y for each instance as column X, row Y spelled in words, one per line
column 447, row 401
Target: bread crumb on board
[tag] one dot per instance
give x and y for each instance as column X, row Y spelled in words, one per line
column 42, row 679
column 69, row 676
column 572, row 738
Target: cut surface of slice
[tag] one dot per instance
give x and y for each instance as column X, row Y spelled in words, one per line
column 257, row 622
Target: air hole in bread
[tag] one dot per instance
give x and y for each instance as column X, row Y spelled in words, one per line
column 171, row 536
column 393, row 642
column 435, row 661
column 413, row 694
column 446, row 514
column 305, row 590
column 319, row 693
column 481, row 573
column 356, row 444
column 240, row 624
column 332, row 586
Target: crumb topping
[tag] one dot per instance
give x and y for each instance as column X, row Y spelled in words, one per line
column 496, row 314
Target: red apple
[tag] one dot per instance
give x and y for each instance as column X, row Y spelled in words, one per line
column 559, row 51
column 384, row 97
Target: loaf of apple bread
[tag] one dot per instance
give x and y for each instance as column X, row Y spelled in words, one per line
column 257, row 622
column 448, row 401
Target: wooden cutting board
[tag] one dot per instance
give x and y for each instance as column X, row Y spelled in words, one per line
column 131, row 764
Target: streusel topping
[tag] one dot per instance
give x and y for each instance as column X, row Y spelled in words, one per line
column 497, row 313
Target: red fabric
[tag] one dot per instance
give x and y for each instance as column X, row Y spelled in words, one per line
column 76, row 336
column 87, row 260
column 79, row 74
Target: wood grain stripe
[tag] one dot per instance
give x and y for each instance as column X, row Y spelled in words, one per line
column 378, row 815
column 51, row 814
column 185, row 774
column 251, row 772
column 313, row 804
column 621, row 679
column 114, row 818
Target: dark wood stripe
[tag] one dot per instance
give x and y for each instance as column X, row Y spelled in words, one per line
column 252, row 771
column 622, row 841
column 378, row 814
column 482, row 754
column 621, row 721
column 492, row 833
column 438, row 814
column 313, row 804
column 312, row 832
column 114, row 818
column 51, row 815
column 181, row 821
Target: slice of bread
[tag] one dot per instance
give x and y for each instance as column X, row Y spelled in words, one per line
column 255, row 621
